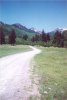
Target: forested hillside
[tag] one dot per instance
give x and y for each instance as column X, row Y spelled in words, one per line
column 19, row 34
column 19, row 29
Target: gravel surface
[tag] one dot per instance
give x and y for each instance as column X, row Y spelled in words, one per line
column 15, row 80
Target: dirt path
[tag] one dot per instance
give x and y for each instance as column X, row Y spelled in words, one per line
column 15, row 81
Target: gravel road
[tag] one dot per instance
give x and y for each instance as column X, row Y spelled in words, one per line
column 15, row 76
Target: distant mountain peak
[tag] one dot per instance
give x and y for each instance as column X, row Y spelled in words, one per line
column 61, row 29
column 1, row 23
column 18, row 25
column 33, row 29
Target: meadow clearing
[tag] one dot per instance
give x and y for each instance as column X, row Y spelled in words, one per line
column 51, row 67
column 9, row 49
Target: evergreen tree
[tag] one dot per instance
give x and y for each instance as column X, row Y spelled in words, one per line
column 43, row 36
column 36, row 37
column 12, row 37
column 58, row 39
column 48, row 37
column 33, row 39
column 25, row 36
column 65, row 38
column 2, row 36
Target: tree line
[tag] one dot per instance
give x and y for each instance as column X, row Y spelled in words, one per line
column 44, row 39
column 11, row 39
column 41, row 37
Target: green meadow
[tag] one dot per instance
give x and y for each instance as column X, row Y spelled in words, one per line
column 51, row 67
column 9, row 50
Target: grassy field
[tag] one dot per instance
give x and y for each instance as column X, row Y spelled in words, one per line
column 8, row 49
column 51, row 67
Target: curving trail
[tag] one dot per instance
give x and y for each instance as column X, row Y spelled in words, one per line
column 15, row 80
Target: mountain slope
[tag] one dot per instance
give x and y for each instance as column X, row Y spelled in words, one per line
column 19, row 29
column 57, row 29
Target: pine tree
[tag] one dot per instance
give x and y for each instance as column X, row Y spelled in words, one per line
column 25, row 36
column 33, row 39
column 36, row 37
column 58, row 39
column 2, row 36
column 48, row 37
column 43, row 36
column 12, row 37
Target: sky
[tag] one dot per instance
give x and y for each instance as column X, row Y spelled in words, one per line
column 40, row 14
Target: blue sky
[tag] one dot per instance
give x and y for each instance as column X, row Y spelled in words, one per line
column 40, row 14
